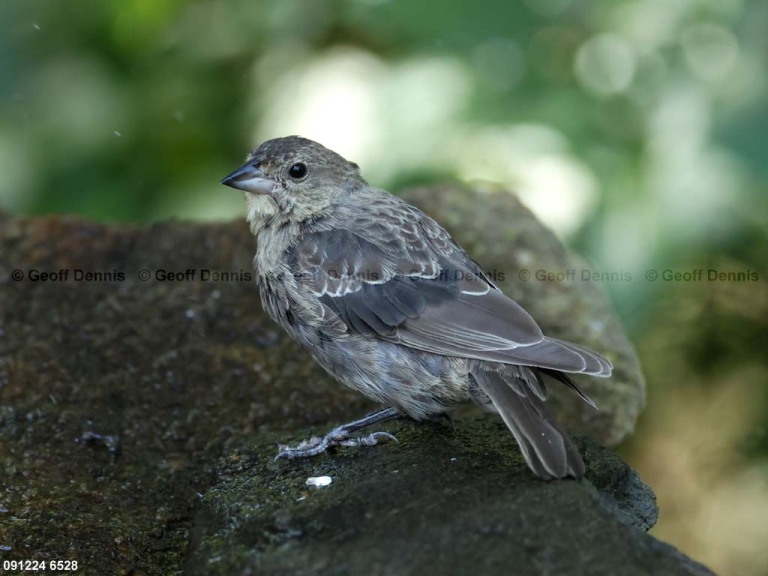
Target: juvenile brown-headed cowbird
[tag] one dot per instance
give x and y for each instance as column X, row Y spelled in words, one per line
column 387, row 302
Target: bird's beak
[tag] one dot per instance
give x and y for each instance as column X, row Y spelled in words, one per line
column 248, row 178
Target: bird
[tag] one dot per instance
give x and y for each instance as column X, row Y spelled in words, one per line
column 390, row 305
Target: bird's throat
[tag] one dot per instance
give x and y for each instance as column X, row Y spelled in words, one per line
column 261, row 208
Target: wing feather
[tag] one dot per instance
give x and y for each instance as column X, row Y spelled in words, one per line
column 418, row 288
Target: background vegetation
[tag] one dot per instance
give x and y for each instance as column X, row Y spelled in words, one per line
column 637, row 129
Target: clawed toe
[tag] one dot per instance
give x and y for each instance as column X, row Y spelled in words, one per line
column 315, row 445
column 370, row 440
column 305, row 448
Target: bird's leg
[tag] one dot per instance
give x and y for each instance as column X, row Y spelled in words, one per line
column 340, row 436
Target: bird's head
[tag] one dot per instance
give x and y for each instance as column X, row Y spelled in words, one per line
column 292, row 179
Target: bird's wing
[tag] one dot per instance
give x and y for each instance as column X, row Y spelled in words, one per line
column 399, row 276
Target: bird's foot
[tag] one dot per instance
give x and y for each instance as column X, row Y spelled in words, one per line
column 336, row 437
column 342, row 436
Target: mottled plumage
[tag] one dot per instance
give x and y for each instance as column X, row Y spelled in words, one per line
column 387, row 302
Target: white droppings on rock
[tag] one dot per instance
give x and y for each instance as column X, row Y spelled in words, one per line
column 319, row 481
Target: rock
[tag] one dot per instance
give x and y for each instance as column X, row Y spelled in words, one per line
column 514, row 247
column 139, row 414
column 444, row 500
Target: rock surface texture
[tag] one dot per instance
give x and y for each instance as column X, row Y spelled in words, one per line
column 139, row 417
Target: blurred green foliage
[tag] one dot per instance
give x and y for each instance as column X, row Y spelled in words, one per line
column 655, row 112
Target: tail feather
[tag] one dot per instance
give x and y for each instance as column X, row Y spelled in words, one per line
column 568, row 381
column 547, row 449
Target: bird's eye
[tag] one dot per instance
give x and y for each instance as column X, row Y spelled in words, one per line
column 298, row 170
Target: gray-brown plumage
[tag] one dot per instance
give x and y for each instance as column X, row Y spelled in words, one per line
column 387, row 302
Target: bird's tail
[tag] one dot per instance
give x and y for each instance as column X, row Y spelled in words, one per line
column 518, row 396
